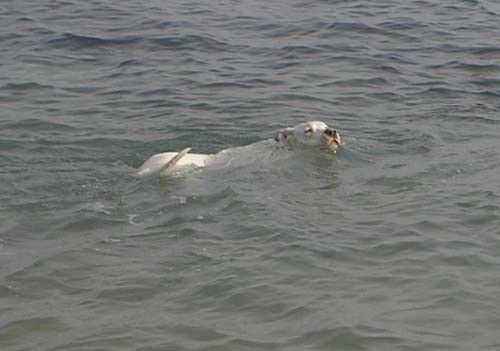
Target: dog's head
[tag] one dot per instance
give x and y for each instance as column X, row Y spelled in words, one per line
column 313, row 133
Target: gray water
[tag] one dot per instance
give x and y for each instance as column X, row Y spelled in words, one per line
column 391, row 244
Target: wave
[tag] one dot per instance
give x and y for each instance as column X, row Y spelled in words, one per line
column 75, row 41
column 26, row 86
column 37, row 125
column 202, row 43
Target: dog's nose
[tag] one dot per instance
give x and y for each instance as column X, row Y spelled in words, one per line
column 331, row 132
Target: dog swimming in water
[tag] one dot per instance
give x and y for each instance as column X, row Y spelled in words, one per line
column 314, row 134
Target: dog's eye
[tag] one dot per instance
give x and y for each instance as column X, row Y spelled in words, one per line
column 308, row 131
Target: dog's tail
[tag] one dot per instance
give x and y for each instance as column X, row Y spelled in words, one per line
column 169, row 166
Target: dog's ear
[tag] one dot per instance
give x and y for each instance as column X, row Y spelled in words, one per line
column 287, row 133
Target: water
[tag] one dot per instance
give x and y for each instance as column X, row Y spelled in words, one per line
column 392, row 244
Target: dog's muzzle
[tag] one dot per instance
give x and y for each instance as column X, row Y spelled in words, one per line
column 332, row 133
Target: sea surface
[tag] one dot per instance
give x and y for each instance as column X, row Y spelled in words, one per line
column 393, row 243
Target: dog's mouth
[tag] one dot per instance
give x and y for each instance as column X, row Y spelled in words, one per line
column 332, row 138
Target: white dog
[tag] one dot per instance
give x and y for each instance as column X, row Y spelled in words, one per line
column 314, row 134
